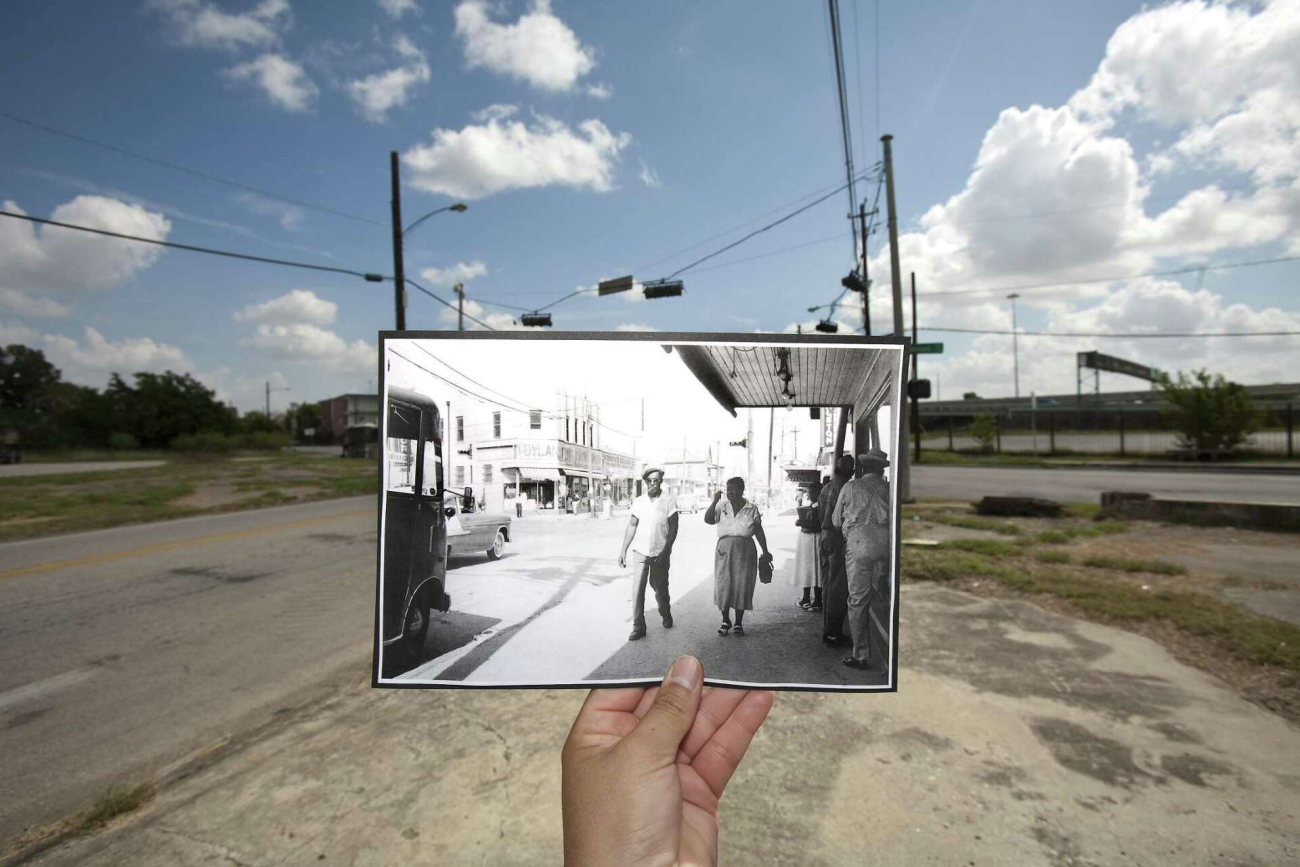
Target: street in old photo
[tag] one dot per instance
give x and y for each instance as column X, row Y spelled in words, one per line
column 586, row 510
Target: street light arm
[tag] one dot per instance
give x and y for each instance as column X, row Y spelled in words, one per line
column 458, row 208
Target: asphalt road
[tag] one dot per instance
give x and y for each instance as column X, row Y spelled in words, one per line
column 972, row 483
column 124, row 650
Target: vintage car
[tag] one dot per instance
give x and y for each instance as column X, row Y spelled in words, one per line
column 415, row 527
column 474, row 532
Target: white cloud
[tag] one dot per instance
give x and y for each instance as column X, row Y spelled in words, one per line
column 539, row 48
column 22, row 304
column 50, row 257
column 480, row 160
column 649, row 176
column 375, row 95
column 600, row 91
column 198, row 24
column 397, row 8
column 92, row 359
column 284, row 82
column 306, row 342
column 298, row 306
column 632, row 326
column 288, row 216
column 495, row 111
column 461, row 272
column 450, row 318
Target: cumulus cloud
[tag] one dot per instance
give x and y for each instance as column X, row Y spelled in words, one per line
column 198, row 24
column 63, row 260
column 461, row 272
column 91, row 360
column 495, row 320
column 397, row 8
column 299, row 305
column 375, row 95
column 283, row 81
column 304, row 341
column 632, row 326
column 539, row 48
column 600, row 91
column 499, row 154
column 22, row 304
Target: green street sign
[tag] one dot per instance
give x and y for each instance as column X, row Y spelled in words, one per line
column 928, row 349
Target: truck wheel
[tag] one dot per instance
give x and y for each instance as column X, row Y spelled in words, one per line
column 498, row 546
column 405, row 652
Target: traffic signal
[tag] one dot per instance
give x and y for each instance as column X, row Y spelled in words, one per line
column 537, row 319
column 918, row 389
column 740, row 443
column 855, row 283
column 826, row 326
column 663, row 289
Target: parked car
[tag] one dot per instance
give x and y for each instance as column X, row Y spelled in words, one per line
column 690, row 503
column 472, row 533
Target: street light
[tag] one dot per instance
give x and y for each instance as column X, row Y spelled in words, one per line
column 459, row 208
column 1015, row 343
column 268, row 395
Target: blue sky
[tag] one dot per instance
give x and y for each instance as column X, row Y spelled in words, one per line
column 592, row 140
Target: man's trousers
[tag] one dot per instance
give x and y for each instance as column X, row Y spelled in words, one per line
column 653, row 571
column 835, row 592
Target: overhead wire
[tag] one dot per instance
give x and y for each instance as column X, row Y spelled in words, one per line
column 1126, row 336
column 444, row 302
column 845, row 124
column 192, row 172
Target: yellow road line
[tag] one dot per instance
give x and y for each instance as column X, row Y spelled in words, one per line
column 95, row 559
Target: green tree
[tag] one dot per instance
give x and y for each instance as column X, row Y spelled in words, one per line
column 984, row 430
column 259, row 422
column 25, row 377
column 1209, row 412
column 970, row 395
column 307, row 416
column 163, row 406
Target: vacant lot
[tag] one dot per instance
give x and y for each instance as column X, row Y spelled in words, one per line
column 1141, row 576
column 46, row 505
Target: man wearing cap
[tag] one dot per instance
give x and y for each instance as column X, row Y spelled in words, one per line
column 862, row 515
column 651, row 531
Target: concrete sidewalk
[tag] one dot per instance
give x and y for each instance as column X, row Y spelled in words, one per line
column 1018, row 737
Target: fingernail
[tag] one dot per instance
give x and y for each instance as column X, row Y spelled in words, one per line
column 686, row 672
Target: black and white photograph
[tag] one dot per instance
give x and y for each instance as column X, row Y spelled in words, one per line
column 581, row 509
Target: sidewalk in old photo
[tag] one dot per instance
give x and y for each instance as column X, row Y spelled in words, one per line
column 1017, row 737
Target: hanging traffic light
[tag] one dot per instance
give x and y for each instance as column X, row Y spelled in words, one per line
column 537, row 320
column 855, row 283
column 663, row 289
column 826, row 326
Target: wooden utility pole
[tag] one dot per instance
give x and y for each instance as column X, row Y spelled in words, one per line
column 459, row 289
column 866, row 295
column 771, row 427
column 399, row 273
column 896, row 277
column 916, row 374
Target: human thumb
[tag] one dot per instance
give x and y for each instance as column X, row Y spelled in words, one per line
column 662, row 729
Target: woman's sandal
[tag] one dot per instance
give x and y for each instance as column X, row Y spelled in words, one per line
column 725, row 628
column 739, row 630
column 805, row 605
column 850, row 662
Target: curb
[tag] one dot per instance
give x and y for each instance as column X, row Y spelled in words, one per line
column 1240, row 469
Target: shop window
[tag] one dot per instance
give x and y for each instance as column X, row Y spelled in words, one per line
column 535, row 419
column 460, row 428
column 460, row 477
column 487, row 474
column 496, row 425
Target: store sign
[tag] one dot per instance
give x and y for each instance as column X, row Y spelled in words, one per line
column 619, row 465
column 575, row 456
column 537, row 451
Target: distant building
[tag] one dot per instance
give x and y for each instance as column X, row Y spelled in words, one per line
column 692, row 473
column 348, row 410
column 553, row 454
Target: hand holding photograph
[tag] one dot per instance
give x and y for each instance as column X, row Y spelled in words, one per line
column 578, row 509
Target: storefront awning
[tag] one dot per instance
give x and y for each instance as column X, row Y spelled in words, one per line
column 538, row 474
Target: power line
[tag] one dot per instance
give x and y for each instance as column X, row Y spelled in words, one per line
column 373, row 278
column 857, row 62
column 448, row 304
column 1088, row 280
column 845, row 125
column 192, row 172
column 1133, row 336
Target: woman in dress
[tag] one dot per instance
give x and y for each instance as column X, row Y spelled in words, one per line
column 807, row 573
column 735, row 565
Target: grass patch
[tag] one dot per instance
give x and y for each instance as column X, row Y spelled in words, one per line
column 1064, row 535
column 117, row 801
column 1081, row 510
column 1052, row 557
column 990, row 547
column 931, row 565
column 1053, row 537
column 971, row 523
column 1122, row 564
column 352, row 486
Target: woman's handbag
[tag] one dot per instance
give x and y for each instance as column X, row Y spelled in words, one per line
column 765, row 569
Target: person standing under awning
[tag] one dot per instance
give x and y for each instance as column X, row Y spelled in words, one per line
column 862, row 515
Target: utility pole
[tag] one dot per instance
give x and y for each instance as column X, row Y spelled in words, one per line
column 771, row 427
column 866, row 295
column 904, row 474
column 268, row 398
column 1015, row 342
column 399, row 273
column 459, row 289
column 916, row 374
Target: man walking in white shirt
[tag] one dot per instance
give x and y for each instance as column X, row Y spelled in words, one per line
column 651, row 531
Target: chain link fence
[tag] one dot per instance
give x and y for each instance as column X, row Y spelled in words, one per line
column 1095, row 431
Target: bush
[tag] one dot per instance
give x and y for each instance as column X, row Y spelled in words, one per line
column 1210, row 413
column 266, row 441
column 984, row 432
column 119, row 441
column 204, row 443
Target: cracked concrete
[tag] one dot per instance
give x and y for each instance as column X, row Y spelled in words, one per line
column 1018, row 737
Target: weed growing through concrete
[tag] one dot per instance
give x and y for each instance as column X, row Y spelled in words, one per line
column 117, row 801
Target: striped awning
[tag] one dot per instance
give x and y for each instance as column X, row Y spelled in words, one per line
column 538, row 474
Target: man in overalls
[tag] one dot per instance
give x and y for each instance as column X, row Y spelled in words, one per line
column 862, row 514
